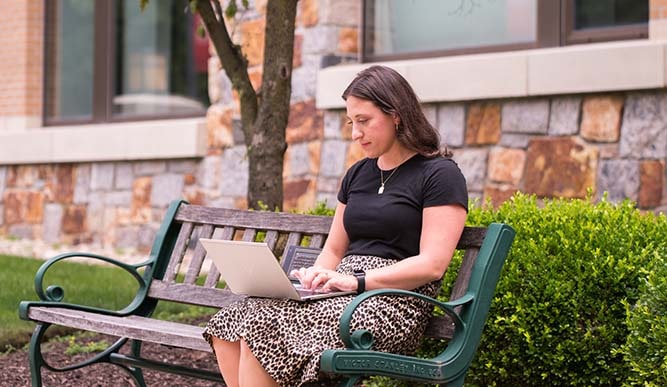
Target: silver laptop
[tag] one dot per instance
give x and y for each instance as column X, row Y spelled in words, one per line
column 252, row 269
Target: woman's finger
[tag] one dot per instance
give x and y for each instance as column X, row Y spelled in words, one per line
column 341, row 282
column 319, row 279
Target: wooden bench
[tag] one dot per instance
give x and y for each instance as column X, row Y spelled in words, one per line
column 158, row 280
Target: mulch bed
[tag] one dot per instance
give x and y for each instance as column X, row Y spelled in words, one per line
column 16, row 370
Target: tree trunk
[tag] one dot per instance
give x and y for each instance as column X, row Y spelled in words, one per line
column 266, row 148
column 263, row 117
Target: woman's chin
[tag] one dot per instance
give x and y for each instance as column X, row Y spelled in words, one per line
column 370, row 153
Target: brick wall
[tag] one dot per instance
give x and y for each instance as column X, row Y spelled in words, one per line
column 658, row 19
column 658, row 9
column 21, row 38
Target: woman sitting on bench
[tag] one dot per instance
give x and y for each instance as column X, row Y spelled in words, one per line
column 400, row 213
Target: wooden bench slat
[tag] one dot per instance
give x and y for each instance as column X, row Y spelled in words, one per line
column 198, row 255
column 213, row 276
column 463, row 275
column 278, row 221
column 179, row 251
column 134, row 327
column 271, row 239
column 249, row 235
column 192, row 294
column 440, row 328
column 228, row 233
column 471, row 237
column 294, row 239
column 316, row 240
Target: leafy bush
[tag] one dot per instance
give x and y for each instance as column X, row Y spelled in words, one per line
column 646, row 347
column 570, row 296
column 558, row 317
column 320, row 209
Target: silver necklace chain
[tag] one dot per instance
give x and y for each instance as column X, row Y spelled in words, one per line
column 383, row 181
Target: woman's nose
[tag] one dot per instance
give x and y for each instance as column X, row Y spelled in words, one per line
column 356, row 133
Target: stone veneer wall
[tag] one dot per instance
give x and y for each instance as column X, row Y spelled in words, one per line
column 118, row 205
column 550, row 146
column 560, row 146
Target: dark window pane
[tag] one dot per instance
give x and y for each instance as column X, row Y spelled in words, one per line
column 158, row 70
column 69, row 59
column 609, row 13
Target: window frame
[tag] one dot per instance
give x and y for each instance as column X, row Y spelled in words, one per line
column 571, row 36
column 104, row 73
column 555, row 27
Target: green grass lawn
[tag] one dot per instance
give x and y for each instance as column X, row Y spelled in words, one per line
column 94, row 285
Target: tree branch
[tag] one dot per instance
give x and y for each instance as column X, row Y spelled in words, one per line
column 218, row 10
column 233, row 62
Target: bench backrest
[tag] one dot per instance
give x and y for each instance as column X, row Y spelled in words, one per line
column 176, row 250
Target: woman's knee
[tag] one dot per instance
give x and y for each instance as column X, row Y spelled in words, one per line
column 220, row 345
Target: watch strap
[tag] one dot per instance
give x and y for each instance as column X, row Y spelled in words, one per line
column 360, row 275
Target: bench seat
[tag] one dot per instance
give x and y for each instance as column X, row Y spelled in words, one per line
column 169, row 333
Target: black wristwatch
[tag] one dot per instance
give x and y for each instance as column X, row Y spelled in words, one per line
column 360, row 275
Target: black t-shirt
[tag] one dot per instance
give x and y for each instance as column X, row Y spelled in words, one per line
column 389, row 225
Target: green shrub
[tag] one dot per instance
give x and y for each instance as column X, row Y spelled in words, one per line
column 564, row 296
column 646, row 347
column 320, row 209
column 76, row 347
column 558, row 317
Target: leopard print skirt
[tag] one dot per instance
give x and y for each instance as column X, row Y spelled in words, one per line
column 287, row 337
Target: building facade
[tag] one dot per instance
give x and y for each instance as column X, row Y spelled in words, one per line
column 550, row 98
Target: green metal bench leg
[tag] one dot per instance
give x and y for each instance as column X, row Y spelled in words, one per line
column 136, row 372
column 35, row 355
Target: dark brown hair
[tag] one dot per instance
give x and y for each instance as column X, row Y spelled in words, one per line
column 390, row 92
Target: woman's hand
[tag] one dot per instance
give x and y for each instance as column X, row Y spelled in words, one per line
column 316, row 277
column 312, row 277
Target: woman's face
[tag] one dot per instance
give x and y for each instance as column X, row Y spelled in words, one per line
column 371, row 127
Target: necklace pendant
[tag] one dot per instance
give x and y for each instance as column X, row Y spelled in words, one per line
column 381, row 190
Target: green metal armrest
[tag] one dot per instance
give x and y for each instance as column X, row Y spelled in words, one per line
column 359, row 357
column 54, row 294
column 155, row 265
column 363, row 339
